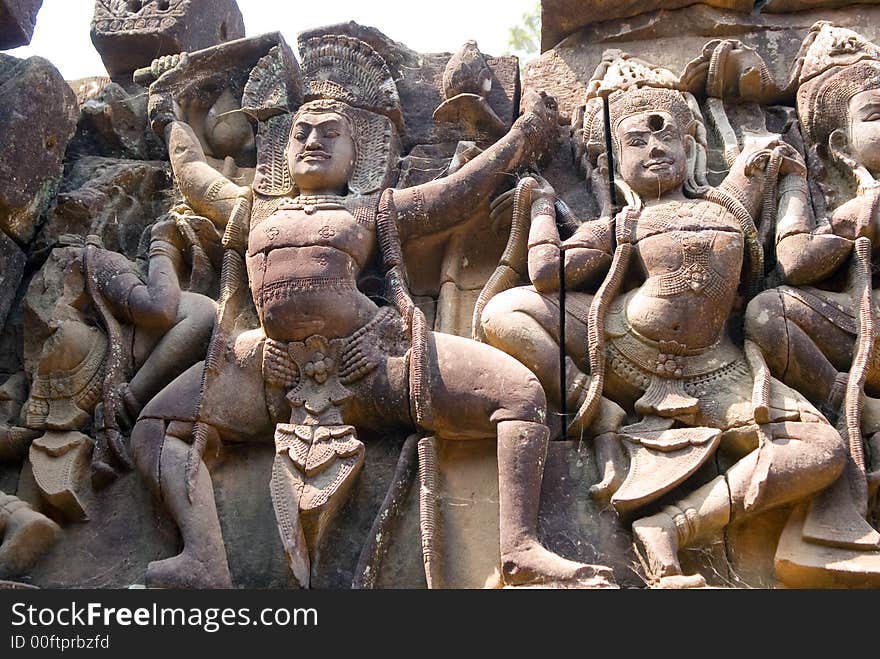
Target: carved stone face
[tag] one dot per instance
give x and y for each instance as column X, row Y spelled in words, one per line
column 322, row 153
column 652, row 155
column 863, row 130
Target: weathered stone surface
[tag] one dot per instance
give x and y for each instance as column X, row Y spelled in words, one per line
column 673, row 38
column 88, row 88
column 113, row 123
column 112, row 198
column 55, row 295
column 126, row 530
column 130, row 35
column 560, row 18
column 12, row 261
column 786, row 6
column 37, row 119
column 17, row 21
column 419, row 79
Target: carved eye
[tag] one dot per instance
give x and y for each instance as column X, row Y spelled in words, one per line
column 332, row 133
column 872, row 116
column 299, row 136
column 637, row 142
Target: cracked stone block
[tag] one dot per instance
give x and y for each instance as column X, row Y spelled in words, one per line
column 130, row 34
column 17, row 21
column 37, row 119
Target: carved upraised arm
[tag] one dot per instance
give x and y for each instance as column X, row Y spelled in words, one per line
column 439, row 205
column 587, row 253
column 206, row 190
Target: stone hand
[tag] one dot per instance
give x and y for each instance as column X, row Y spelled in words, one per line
column 737, row 72
column 166, row 63
column 166, row 230
column 760, row 148
column 540, row 122
column 542, row 189
column 163, row 108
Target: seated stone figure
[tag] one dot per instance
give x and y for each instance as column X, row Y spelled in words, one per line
column 325, row 358
column 807, row 328
column 659, row 348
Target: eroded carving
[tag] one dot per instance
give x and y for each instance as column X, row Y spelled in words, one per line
column 325, row 359
column 651, row 346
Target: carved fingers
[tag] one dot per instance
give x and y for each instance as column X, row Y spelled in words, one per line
column 540, row 122
column 166, row 63
column 542, row 189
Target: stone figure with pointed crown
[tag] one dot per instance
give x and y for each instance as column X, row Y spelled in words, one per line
column 652, row 344
column 324, row 359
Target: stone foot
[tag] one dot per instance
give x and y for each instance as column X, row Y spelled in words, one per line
column 609, row 455
column 189, row 572
column 532, row 564
column 680, row 582
column 29, row 535
column 657, row 540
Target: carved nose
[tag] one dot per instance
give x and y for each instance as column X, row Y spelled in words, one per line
column 657, row 148
column 312, row 142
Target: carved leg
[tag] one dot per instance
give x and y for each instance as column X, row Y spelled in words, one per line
column 796, row 461
column 202, row 563
column 802, row 347
column 696, row 517
column 525, row 325
column 178, row 349
column 26, row 534
column 478, row 392
column 522, row 449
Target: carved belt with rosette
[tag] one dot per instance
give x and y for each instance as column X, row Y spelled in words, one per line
column 662, row 368
column 317, row 456
column 662, row 456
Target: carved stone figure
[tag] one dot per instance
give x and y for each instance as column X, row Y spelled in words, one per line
column 325, row 358
column 816, row 331
column 652, row 344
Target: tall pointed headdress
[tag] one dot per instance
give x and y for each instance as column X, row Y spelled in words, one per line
column 835, row 65
column 632, row 86
column 344, row 75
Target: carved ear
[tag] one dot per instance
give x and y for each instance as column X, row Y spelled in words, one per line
column 838, row 149
column 841, row 154
column 690, row 148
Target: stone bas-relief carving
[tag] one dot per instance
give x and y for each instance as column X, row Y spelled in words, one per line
column 659, row 352
column 262, row 336
column 325, row 360
column 816, row 331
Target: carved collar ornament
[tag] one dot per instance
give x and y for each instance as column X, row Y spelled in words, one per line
column 312, row 203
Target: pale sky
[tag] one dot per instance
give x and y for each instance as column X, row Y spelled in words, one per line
column 62, row 34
